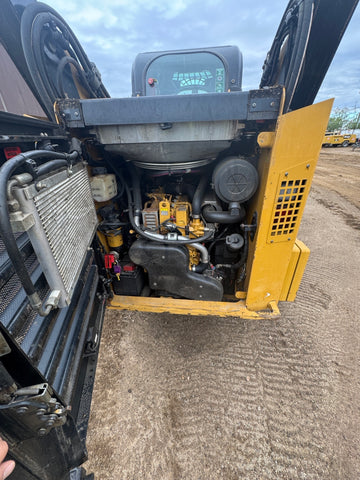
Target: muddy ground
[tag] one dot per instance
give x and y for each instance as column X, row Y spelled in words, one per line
column 194, row 398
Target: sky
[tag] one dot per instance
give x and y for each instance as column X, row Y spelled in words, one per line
column 112, row 32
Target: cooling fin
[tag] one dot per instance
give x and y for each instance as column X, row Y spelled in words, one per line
column 64, row 222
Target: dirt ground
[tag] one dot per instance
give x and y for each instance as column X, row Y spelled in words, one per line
column 194, row 398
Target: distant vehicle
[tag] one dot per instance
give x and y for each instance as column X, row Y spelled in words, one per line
column 332, row 139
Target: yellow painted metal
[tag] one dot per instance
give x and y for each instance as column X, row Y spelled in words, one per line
column 299, row 257
column 192, row 307
column 102, row 240
column 292, row 159
column 196, row 228
column 164, row 210
column 266, row 139
column 339, row 139
column 194, row 256
column 182, row 214
column 114, row 238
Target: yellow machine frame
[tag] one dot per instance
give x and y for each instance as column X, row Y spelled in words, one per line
column 276, row 259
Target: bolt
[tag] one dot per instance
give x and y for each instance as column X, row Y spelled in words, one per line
column 76, row 114
column 201, row 286
column 22, row 410
column 308, row 165
column 200, row 296
column 154, row 284
column 40, row 185
column 42, row 432
column 40, row 412
column 253, row 105
column 289, row 238
column 50, row 423
column 163, row 257
column 286, row 174
column 272, row 104
column 233, row 80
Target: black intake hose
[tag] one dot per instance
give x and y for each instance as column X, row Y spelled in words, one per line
column 5, row 226
column 198, row 196
column 135, row 179
column 230, row 216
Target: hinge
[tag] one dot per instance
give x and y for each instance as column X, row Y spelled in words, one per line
column 35, row 410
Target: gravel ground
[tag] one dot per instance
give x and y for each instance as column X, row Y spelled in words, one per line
column 195, row 398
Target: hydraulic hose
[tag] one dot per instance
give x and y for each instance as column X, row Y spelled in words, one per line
column 60, row 71
column 5, row 226
column 50, row 166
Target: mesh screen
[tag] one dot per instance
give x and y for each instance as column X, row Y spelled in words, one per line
column 289, row 202
column 13, row 286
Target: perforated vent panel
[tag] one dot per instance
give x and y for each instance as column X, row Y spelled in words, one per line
column 288, row 209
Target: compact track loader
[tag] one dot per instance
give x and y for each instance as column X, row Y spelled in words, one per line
column 185, row 198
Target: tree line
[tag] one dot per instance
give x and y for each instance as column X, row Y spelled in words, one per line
column 344, row 119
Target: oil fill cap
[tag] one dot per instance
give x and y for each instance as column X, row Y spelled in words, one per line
column 234, row 242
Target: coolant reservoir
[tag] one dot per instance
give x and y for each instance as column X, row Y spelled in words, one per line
column 103, row 187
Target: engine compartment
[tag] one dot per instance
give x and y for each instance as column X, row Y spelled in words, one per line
column 179, row 233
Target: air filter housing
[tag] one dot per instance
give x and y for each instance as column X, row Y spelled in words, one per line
column 63, row 220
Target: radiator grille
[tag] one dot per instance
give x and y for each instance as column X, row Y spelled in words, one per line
column 65, row 222
column 64, row 212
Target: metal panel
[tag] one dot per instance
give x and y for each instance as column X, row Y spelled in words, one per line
column 168, row 109
column 297, row 264
column 293, row 156
column 60, row 349
column 15, row 95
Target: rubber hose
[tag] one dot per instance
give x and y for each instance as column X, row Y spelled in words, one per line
column 60, row 71
column 50, row 166
column 200, row 268
column 5, row 226
column 215, row 216
column 198, row 196
column 135, row 177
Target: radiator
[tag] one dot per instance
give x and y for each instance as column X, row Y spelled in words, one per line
column 63, row 223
